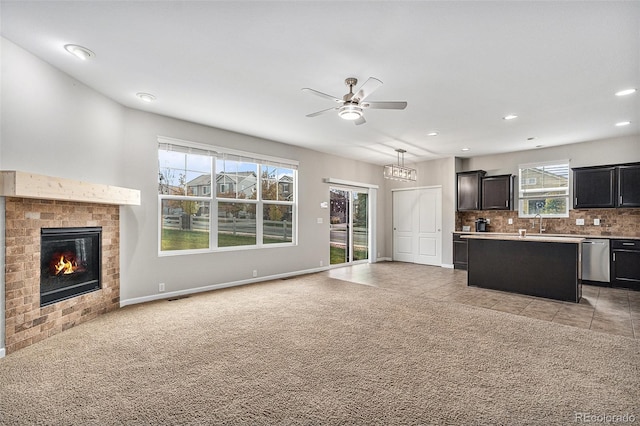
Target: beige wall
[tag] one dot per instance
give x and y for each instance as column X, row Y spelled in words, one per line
column 142, row 269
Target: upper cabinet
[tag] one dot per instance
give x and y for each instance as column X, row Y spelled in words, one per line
column 497, row 192
column 628, row 186
column 594, row 187
column 469, row 190
column 606, row 186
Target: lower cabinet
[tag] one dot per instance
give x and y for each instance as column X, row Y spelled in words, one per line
column 625, row 264
column 459, row 252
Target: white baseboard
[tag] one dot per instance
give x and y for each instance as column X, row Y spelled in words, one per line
column 2, row 353
column 172, row 294
column 179, row 293
column 447, row 265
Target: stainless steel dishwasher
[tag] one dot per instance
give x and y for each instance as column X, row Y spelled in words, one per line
column 595, row 260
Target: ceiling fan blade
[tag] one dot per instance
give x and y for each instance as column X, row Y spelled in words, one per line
column 322, row 95
column 360, row 120
column 384, row 105
column 367, row 88
column 315, row 114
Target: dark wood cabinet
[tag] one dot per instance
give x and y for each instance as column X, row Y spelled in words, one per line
column 497, row 192
column 606, row 186
column 628, row 186
column 459, row 252
column 625, row 264
column 469, row 189
column 594, row 187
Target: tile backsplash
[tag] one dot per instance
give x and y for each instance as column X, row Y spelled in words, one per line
column 613, row 222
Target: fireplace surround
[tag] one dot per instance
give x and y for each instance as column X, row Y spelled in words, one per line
column 27, row 320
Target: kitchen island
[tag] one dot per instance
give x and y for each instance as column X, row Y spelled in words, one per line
column 543, row 266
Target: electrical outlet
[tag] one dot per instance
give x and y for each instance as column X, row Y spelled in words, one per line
column 161, row 287
column 579, row 221
column 255, row 273
column 322, row 263
column 510, row 221
column 488, row 221
column 596, row 222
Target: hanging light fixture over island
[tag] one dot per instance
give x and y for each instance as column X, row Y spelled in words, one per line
column 399, row 171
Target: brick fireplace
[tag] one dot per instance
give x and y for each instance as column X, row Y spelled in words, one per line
column 26, row 322
column 34, row 207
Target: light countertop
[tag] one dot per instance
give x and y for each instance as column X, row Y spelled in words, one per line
column 529, row 238
column 532, row 234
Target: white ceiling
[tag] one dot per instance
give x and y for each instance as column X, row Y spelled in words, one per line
column 461, row 66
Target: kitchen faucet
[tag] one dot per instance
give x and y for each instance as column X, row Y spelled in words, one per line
column 534, row 221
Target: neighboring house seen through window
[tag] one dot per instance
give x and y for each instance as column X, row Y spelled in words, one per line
column 544, row 189
column 252, row 202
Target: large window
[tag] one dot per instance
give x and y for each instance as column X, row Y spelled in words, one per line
column 544, row 189
column 213, row 200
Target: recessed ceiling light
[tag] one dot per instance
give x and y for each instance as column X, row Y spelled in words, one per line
column 432, row 134
column 79, row 52
column 626, row 92
column 623, row 123
column 509, row 117
column 146, row 97
column 465, row 149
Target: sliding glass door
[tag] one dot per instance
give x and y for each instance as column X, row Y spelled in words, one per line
column 349, row 230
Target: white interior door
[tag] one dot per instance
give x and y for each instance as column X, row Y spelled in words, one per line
column 404, row 222
column 417, row 226
column 430, row 226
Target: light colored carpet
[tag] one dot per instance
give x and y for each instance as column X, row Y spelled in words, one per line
column 315, row 350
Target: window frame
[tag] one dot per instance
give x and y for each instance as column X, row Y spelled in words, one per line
column 525, row 194
column 216, row 153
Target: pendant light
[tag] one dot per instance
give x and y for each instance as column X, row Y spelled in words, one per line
column 399, row 171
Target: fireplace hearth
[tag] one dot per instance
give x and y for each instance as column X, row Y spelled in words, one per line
column 70, row 263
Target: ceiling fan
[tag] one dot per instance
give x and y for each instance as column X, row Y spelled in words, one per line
column 352, row 104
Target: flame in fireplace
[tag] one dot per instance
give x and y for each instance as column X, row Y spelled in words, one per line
column 64, row 264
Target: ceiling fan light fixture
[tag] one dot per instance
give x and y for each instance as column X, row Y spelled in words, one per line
column 352, row 105
column 350, row 112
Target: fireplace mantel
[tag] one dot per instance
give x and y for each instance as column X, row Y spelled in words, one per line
column 30, row 185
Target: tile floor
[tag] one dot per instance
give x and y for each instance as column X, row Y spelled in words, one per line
column 601, row 309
